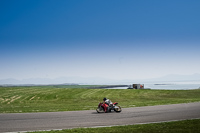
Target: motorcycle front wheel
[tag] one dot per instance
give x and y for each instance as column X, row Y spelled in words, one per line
column 118, row 109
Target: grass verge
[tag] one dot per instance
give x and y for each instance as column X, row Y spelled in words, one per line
column 70, row 98
column 185, row 126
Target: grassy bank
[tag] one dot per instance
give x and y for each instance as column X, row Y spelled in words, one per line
column 68, row 98
column 186, row 126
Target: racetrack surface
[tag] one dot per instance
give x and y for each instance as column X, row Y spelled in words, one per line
column 16, row 122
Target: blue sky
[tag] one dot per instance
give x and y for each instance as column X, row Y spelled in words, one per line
column 132, row 39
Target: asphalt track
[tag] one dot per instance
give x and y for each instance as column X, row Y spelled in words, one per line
column 17, row 122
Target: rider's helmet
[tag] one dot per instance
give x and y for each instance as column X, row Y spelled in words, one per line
column 104, row 99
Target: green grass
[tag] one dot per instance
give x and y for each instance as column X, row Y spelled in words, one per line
column 185, row 126
column 69, row 98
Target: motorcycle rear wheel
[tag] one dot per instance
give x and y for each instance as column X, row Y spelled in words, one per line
column 100, row 110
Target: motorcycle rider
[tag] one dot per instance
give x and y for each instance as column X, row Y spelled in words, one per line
column 108, row 104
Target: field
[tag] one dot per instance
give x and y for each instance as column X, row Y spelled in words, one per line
column 69, row 98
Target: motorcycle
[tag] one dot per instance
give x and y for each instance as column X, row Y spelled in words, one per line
column 102, row 107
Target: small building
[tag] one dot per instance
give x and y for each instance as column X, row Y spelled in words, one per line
column 136, row 86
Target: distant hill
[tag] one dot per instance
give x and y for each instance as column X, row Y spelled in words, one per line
column 60, row 80
column 176, row 77
column 9, row 81
column 97, row 80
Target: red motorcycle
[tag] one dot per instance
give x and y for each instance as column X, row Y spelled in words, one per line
column 102, row 107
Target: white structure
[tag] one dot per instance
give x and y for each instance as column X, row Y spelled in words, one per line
column 136, row 86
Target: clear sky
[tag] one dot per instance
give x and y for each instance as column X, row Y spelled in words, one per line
column 116, row 39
